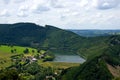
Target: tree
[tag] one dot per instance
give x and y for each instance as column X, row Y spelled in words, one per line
column 15, row 50
column 12, row 51
column 33, row 51
column 38, row 51
column 26, row 50
column 11, row 74
column 33, row 68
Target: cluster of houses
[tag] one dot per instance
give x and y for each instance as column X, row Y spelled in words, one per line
column 30, row 58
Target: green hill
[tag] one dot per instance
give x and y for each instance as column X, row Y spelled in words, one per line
column 102, row 53
column 100, row 67
column 50, row 38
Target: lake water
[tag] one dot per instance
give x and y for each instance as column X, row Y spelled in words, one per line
column 69, row 58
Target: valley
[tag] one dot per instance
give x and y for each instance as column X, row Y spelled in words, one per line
column 95, row 32
column 59, row 39
column 11, row 54
column 33, row 52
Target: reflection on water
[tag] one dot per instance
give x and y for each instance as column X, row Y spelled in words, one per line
column 69, row 58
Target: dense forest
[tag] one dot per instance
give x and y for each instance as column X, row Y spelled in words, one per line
column 48, row 37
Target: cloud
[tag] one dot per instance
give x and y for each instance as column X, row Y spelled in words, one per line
column 39, row 8
column 56, row 4
column 107, row 4
column 6, row 1
column 23, row 8
column 22, row 14
column 83, row 3
column 23, row 11
column 19, row 1
column 5, row 13
column 61, row 12
column 62, row 18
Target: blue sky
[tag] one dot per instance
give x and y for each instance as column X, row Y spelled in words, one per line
column 66, row 14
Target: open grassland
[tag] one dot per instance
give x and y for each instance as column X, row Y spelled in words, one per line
column 5, row 60
column 63, row 65
column 7, row 49
column 5, row 54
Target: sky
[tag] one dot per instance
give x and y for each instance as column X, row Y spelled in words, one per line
column 65, row 14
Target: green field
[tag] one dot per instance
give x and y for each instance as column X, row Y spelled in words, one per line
column 62, row 65
column 5, row 54
column 7, row 49
column 5, row 60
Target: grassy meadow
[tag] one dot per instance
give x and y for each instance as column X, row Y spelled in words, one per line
column 5, row 60
column 7, row 49
column 5, row 54
column 62, row 65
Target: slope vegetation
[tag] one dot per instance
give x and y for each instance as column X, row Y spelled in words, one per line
column 102, row 53
column 101, row 67
column 50, row 38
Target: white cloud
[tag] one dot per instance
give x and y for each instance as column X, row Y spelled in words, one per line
column 4, row 13
column 63, row 13
column 107, row 4
column 18, row 1
column 94, row 3
column 83, row 3
column 6, row 1
column 56, row 4
column 23, row 8
column 23, row 11
column 22, row 14
column 39, row 8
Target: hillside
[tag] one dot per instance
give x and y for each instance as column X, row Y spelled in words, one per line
column 49, row 38
column 102, row 53
column 21, row 34
column 101, row 67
